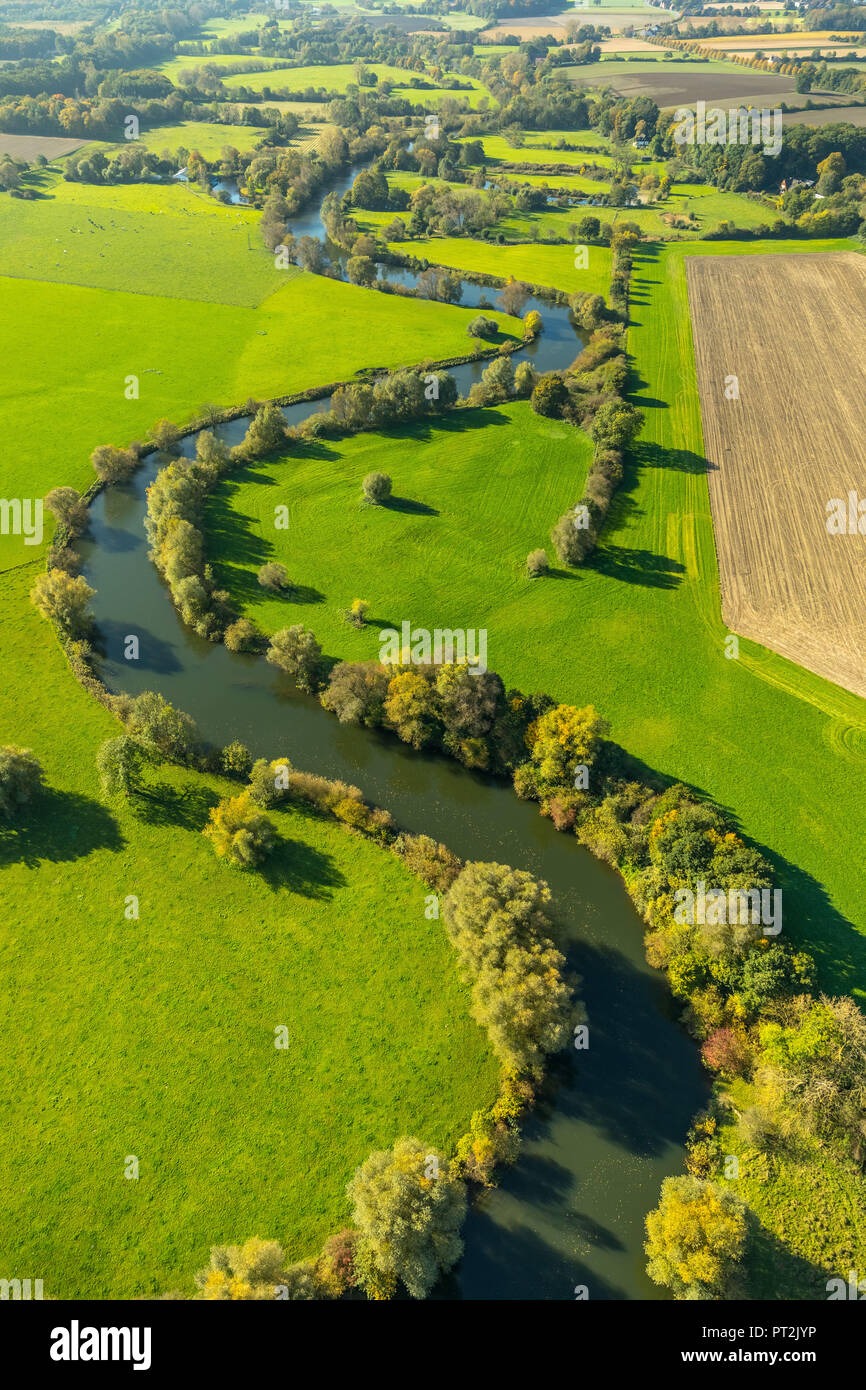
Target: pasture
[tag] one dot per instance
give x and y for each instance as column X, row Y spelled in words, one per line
column 790, row 442
column 155, row 1037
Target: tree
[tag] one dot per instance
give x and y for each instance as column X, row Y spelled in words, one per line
column 273, row 576
column 525, row 378
column 253, row 1271
column 550, row 396
column 571, row 541
column 694, row 1238
column 165, row 435
column 411, row 708
column 562, row 739
column 408, row 1211
column 296, row 651
column 361, row 270
column 239, row 832
column 21, row 778
column 236, row 759
column 113, row 465
column 376, row 488
column 537, row 563
column 356, row 693
column 513, row 297
column 64, row 600
column 615, row 424
column 242, row 636
column 267, row 432
column 496, row 919
column 168, row 730
column 67, row 508
column 358, row 612
column 482, row 327
column 812, row 1066
column 119, row 762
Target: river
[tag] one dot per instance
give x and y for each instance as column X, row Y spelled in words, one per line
column 569, row 1215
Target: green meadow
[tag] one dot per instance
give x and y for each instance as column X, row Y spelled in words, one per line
column 208, row 137
column 333, row 78
column 154, row 1038
column 550, row 266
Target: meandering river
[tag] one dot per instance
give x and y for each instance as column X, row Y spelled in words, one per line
column 570, row 1214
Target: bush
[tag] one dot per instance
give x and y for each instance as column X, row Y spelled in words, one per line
column 166, row 729
column 537, row 563
column 356, row 693
column 376, row 488
column 273, row 576
column 113, row 465
column 119, row 763
column 67, row 508
column 21, row 778
column 433, row 863
column 242, row 636
column 64, row 600
column 482, row 327
column 240, row 833
column 296, row 651
column 236, row 759
column 550, row 396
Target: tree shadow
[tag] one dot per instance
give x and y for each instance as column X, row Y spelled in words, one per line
column 57, row 827
column 648, row 455
column 635, row 566
column 154, row 654
column 160, row 803
column 298, row 867
column 408, row 505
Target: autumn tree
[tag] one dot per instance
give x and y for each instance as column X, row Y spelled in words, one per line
column 119, row 762
column 239, row 832
column 295, row 650
column 21, row 778
column 408, row 1212
column 253, row 1271
column 695, row 1238
column 64, row 599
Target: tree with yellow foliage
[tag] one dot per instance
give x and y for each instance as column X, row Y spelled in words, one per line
column 694, row 1237
column 239, row 832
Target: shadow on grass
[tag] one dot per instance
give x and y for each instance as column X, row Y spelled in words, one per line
column 634, row 566
column 58, row 827
column 160, row 803
column 301, row 869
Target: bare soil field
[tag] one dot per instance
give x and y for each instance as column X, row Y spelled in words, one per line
column 30, row 146
column 670, row 87
column 790, row 328
column 853, row 115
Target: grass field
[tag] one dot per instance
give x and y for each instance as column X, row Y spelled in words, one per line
column 551, row 266
column 155, row 1037
column 239, row 62
column 208, row 137
column 334, row 78
column 157, row 239
column 783, row 449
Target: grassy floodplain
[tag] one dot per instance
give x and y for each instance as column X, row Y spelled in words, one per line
column 127, row 1051
column 783, row 751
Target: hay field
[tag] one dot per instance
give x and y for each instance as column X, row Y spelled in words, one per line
column 790, row 328
column 30, row 147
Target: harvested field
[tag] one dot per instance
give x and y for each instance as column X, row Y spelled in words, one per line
column 853, row 115
column 791, row 442
column 29, row 147
column 684, row 83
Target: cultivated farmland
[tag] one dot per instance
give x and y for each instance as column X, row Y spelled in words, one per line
column 785, row 448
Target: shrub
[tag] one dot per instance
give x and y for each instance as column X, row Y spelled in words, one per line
column 376, row 488
column 113, row 465
column 537, row 563
column 433, row 863
column 236, row 760
column 550, row 396
column 253, row 1271
column 238, row 832
column 273, row 576
column 269, row 781
column 482, row 327
column 296, row 651
column 64, row 600
column 242, row 636
column 21, row 778
column 119, row 762
column 694, row 1237
column 67, row 508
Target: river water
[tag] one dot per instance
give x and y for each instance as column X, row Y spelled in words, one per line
column 569, row 1215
